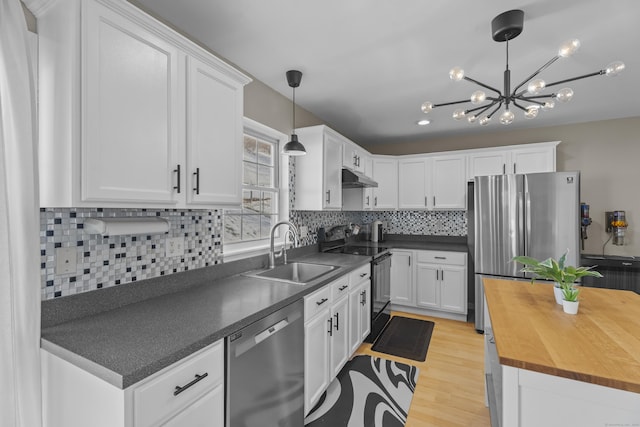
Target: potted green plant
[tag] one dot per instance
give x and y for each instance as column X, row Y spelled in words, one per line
column 563, row 275
column 570, row 299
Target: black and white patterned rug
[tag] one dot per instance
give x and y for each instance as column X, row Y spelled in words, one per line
column 368, row 392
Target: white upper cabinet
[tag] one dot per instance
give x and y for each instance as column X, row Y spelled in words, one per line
column 432, row 182
column 414, row 183
column 526, row 158
column 385, row 173
column 354, row 157
column 214, row 129
column 318, row 181
column 449, row 182
column 130, row 111
column 131, row 122
column 541, row 158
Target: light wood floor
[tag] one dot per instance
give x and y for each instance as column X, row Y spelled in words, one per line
column 450, row 389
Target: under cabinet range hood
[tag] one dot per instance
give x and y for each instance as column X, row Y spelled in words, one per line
column 353, row 179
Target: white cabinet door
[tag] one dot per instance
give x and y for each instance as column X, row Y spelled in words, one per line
column 533, row 160
column 206, row 412
column 332, row 164
column 449, row 182
column 385, row 173
column 317, row 358
column 359, row 314
column 488, row 163
column 402, row 277
column 452, row 291
column 412, row 184
column 365, row 310
column 427, row 286
column 339, row 335
column 130, row 111
column 214, row 136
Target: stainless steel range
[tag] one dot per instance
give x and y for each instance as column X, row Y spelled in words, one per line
column 380, row 279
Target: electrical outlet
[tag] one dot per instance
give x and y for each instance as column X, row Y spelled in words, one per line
column 174, row 246
column 304, row 231
column 66, row 261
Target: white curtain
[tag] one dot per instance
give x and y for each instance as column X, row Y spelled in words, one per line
column 20, row 391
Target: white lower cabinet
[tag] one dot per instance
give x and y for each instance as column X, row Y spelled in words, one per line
column 359, row 307
column 402, row 266
column 334, row 328
column 189, row 392
column 430, row 282
column 441, row 281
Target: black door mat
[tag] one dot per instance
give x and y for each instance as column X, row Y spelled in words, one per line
column 405, row 337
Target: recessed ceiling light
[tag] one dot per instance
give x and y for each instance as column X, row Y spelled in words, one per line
column 424, row 122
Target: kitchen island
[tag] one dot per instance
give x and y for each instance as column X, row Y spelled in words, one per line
column 548, row 368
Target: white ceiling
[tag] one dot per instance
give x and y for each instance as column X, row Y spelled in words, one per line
column 368, row 65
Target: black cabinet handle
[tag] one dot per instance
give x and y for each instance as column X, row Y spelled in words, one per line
column 342, row 288
column 337, row 321
column 330, row 331
column 440, row 257
column 177, row 171
column 322, row 301
column 197, row 175
column 180, row 389
column 363, row 274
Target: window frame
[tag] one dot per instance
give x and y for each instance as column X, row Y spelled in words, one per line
column 243, row 249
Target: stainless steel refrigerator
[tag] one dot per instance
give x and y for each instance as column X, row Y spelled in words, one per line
column 537, row 215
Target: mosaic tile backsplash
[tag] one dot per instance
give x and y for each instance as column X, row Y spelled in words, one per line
column 109, row 261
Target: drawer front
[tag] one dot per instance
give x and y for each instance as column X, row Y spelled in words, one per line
column 360, row 274
column 340, row 288
column 316, row 302
column 442, row 257
column 156, row 399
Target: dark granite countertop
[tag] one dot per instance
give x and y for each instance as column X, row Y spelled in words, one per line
column 131, row 340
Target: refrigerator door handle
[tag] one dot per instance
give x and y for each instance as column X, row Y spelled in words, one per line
column 520, row 219
column 527, row 218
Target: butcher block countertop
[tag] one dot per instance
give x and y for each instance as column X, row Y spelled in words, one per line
column 599, row 345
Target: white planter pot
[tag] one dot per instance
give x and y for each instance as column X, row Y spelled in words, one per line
column 557, row 292
column 570, row 307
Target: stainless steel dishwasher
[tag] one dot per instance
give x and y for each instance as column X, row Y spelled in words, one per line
column 265, row 371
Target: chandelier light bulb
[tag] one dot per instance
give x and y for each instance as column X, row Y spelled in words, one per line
column 564, row 94
column 532, row 112
column 472, row 119
column 568, row 48
column 478, row 97
column 485, row 120
column 427, row 107
column 506, row 118
column 536, row 86
column 459, row 114
column 614, row 68
column 548, row 105
column 456, row 74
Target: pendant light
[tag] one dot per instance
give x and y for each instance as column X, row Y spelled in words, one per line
column 294, row 147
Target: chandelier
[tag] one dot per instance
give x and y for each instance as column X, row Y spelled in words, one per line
column 526, row 96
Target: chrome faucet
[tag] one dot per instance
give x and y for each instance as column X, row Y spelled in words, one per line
column 283, row 252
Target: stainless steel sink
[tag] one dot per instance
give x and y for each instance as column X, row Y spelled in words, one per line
column 296, row 272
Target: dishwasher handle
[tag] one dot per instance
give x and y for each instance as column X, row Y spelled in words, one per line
column 271, row 330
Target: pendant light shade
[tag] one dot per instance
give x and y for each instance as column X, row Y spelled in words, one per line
column 294, row 147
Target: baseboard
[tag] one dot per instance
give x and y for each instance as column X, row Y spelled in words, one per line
column 428, row 312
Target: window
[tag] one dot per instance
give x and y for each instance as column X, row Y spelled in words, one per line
column 261, row 204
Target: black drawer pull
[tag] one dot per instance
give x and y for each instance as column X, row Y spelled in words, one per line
column 195, row 380
column 342, row 288
column 322, row 301
column 440, row 257
column 363, row 274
